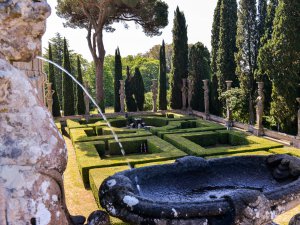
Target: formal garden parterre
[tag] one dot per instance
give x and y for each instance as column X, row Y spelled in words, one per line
column 166, row 138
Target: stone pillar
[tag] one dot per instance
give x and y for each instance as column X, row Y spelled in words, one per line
column 206, row 98
column 190, row 91
column 258, row 129
column 122, row 96
column 86, row 100
column 228, row 110
column 183, row 94
column 49, row 94
column 154, row 94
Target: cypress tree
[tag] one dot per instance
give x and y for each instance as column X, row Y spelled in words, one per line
column 179, row 58
column 162, row 78
column 68, row 95
column 118, row 77
column 259, row 74
column 215, row 37
column 80, row 97
column 130, row 102
column 199, row 69
column 138, row 89
column 247, row 41
column 279, row 59
column 227, row 44
column 51, row 79
column 261, row 19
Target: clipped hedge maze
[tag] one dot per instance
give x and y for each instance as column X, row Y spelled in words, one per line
column 186, row 126
column 106, row 153
column 219, row 143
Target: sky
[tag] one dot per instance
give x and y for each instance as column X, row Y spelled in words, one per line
column 198, row 14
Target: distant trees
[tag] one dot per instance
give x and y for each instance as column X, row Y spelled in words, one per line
column 80, row 97
column 247, row 43
column 96, row 16
column 118, row 77
column 179, row 58
column 51, row 79
column 162, row 78
column 68, row 94
column 199, row 69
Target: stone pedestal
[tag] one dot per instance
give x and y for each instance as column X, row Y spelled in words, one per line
column 122, row 96
column 259, row 129
column 228, row 110
column 184, row 94
column 154, row 94
column 206, row 98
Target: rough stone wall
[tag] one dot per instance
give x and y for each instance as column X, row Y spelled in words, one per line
column 34, row 71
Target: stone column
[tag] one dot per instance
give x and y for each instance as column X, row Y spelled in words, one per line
column 86, row 100
column 190, row 92
column 154, row 94
column 122, row 96
column 259, row 130
column 49, row 94
column 183, row 94
column 206, row 98
column 228, row 110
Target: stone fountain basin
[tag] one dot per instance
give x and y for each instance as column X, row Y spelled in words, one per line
column 197, row 191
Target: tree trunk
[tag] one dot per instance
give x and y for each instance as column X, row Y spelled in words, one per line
column 99, row 66
column 251, row 111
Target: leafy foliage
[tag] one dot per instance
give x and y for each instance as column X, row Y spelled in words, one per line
column 179, row 58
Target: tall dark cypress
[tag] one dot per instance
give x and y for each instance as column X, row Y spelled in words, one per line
column 199, row 70
column 279, row 59
column 118, row 77
column 227, row 44
column 215, row 107
column 129, row 89
column 261, row 19
column 80, row 97
column 51, row 79
column 68, row 94
column 246, row 57
column 259, row 73
column 179, row 58
column 162, row 78
column 138, row 89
